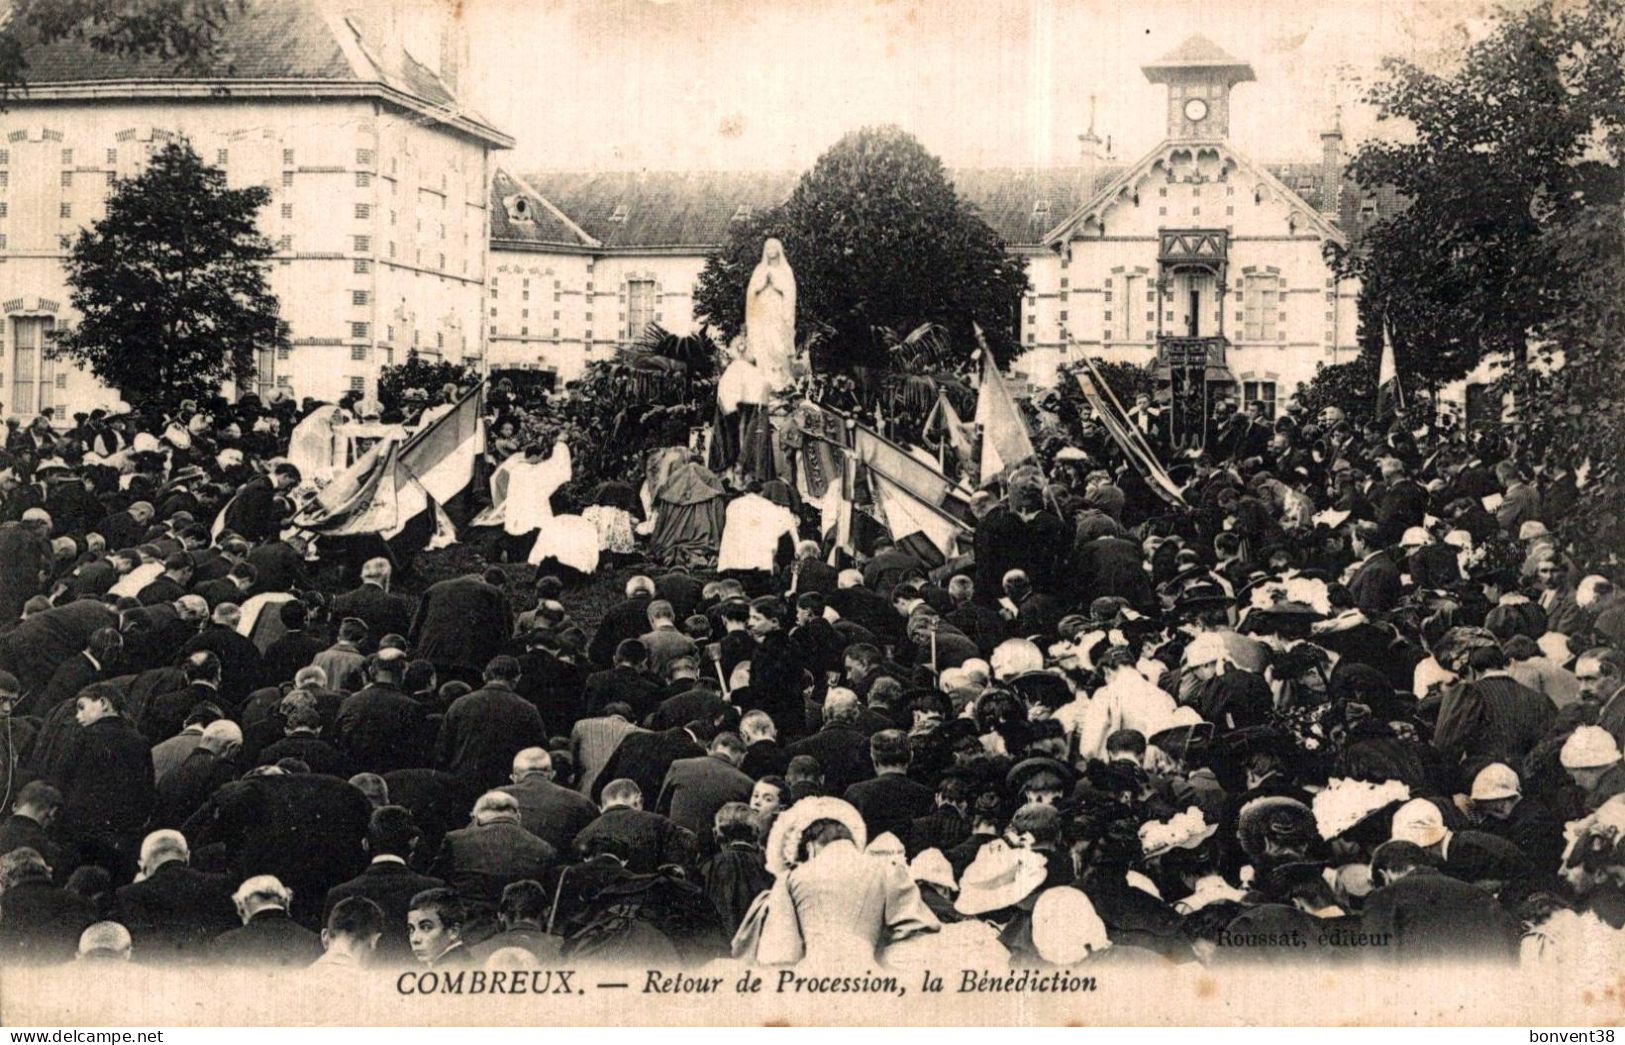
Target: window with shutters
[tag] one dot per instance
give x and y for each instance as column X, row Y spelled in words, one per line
column 362, row 266
column 65, row 210
column 358, row 330
column 1261, row 294
column 362, row 179
column 358, row 353
column 67, row 157
column 359, row 297
column 363, row 212
column 363, row 157
column 287, row 157
column 112, row 157
column 220, row 157
column 363, row 244
column 358, row 384
column 67, row 179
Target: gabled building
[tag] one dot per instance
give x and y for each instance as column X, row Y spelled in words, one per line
column 1193, row 250
column 379, row 178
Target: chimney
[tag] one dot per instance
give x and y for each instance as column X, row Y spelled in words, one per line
column 1090, row 145
column 1331, row 167
column 453, row 54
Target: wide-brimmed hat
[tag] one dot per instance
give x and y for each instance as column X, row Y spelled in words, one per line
column 1022, row 771
column 1347, row 803
column 784, row 839
column 1185, row 830
column 999, row 877
column 1199, row 596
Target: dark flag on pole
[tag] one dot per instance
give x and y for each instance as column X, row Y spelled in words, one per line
column 1390, row 396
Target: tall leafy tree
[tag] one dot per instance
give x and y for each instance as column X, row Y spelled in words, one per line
column 880, row 243
column 171, row 283
column 1522, row 135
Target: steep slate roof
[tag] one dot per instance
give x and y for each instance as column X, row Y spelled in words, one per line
column 273, row 44
column 694, row 208
column 539, row 223
column 270, row 41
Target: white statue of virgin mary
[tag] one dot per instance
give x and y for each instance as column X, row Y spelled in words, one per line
column 770, row 315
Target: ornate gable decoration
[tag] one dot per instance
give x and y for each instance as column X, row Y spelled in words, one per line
column 1185, row 163
column 1194, row 245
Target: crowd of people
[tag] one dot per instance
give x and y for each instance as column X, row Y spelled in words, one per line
column 1354, row 701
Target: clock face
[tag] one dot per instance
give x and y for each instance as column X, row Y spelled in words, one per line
column 1195, row 110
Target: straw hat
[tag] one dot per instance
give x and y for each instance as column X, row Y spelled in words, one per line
column 999, row 877
column 784, row 839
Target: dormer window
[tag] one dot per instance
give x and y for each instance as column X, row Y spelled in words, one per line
column 1040, row 211
column 619, row 217
column 519, row 209
column 741, row 213
column 1368, row 207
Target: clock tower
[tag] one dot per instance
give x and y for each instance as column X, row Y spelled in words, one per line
column 1199, row 75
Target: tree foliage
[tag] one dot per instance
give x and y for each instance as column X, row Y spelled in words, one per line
column 880, row 243
column 1351, row 387
column 171, row 284
column 185, row 32
column 417, row 372
column 1571, row 411
column 1523, row 135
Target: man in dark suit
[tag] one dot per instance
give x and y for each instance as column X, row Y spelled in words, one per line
column 165, row 714
column 294, row 650
column 890, row 801
column 379, row 727
column 281, row 566
column 980, row 623
column 695, row 788
column 43, row 921
column 485, row 729
column 626, row 620
column 840, row 747
column 33, row 811
column 763, row 755
column 100, row 573
column 681, row 590
column 252, row 513
column 233, row 587
column 169, row 585
column 392, row 836
column 302, row 740
column 1375, row 581
column 811, row 573
column 626, row 682
column 96, row 663
column 1401, row 503
column 125, row 529
column 173, row 911
column 480, row 860
column 1420, row 914
column 385, row 613
column 240, row 663
column 461, row 624
column 269, row 937
column 215, row 762
column 645, row 841
column 106, row 778
column 35, row 647
column 552, row 813
column 645, row 757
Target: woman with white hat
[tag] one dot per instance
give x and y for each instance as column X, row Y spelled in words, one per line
column 832, row 903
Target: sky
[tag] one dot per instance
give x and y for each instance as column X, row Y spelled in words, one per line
column 771, row 84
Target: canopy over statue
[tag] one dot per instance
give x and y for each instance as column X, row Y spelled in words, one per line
column 770, row 315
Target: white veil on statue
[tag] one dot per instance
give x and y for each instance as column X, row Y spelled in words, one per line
column 770, row 315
